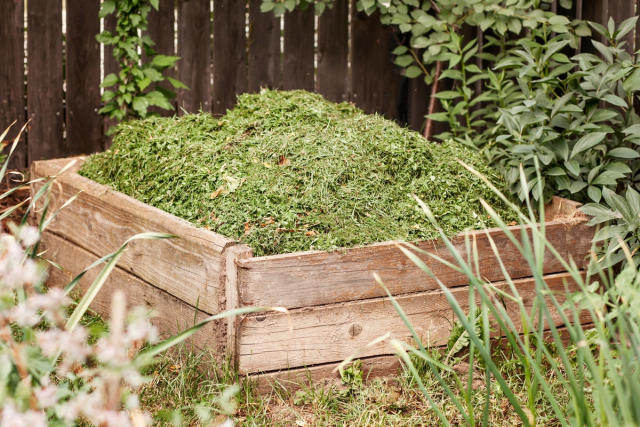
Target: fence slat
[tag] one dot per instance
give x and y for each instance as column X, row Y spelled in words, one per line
column 193, row 47
column 44, row 79
column 84, row 125
column 333, row 52
column 298, row 67
column 417, row 103
column 264, row 48
column 376, row 83
column 160, row 27
column 12, row 76
column 229, row 53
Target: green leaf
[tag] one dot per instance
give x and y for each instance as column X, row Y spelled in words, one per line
column 632, row 83
column 587, row 141
column 158, row 99
column 413, row 72
column 140, row 105
column 615, row 100
column 110, row 80
column 107, row 8
column 599, row 213
column 164, row 61
column 633, row 198
column 448, row 94
column 623, row 153
column 177, row 83
column 404, row 60
column 604, row 50
column 625, row 27
column 594, row 193
column 155, row 4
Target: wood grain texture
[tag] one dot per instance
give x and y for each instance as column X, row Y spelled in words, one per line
column 294, row 379
column 264, row 49
column 84, row 125
column 190, row 267
column 306, row 279
column 417, row 103
column 44, row 80
column 298, row 62
column 12, row 76
column 376, row 84
column 172, row 315
column 194, row 36
column 229, row 53
column 161, row 29
column 333, row 52
column 232, row 254
column 312, row 336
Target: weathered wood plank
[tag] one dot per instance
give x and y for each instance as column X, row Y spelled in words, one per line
column 332, row 333
column 293, row 379
column 12, row 77
column 298, row 63
column 229, row 53
column 44, row 80
column 376, row 83
column 190, row 267
column 315, row 278
column 172, row 315
column 194, row 34
column 160, row 29
column 232, row 254
column 84, row 125
column 264, row 49
column 333, row 52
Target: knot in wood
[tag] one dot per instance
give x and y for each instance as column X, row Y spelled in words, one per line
column 354, row 330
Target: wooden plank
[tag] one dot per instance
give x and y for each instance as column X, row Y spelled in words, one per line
column 293, row 379
column 194, row 34
column 298, row 67
column 109, row 66
column 229, row 53
column 417, row 103
column 44, row 80
column 232, row 254
column 332, row 333
column 376, row 84
column 333, row 52
column 190, row 267
column 84, row 125
column 306, row 279
column 172, row 315
column 264, row 49
column 161, row 29
column 12, row 77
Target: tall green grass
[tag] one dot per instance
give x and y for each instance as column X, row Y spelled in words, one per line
column 597, row 365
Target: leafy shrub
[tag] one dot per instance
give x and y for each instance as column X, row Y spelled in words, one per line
column 597, row 368
column 137, row 86
column 575, row 116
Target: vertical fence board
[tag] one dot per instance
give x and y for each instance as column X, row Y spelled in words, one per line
column 376, row 83
column 12, row 76
column 264, row 48
column 229, row 53
column 298, row 67
column 333, row 52
column 160, row 27
column 417, row 103
column 44, row 79
column 84, row 126
column 194, row 47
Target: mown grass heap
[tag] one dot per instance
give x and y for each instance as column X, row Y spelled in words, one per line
column 291, row 171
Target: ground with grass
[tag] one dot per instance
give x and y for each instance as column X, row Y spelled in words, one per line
column 182, row 385
column 291, row 171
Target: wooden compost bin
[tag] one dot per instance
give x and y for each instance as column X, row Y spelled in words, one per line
column 335, row 306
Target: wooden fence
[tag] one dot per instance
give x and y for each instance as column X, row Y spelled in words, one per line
column 227, row 47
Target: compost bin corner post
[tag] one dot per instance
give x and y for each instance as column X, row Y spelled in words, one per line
column 232, row 300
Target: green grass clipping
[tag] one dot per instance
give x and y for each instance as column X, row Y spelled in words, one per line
column 288, row 171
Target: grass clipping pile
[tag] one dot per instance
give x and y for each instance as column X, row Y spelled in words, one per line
column 291, row 171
